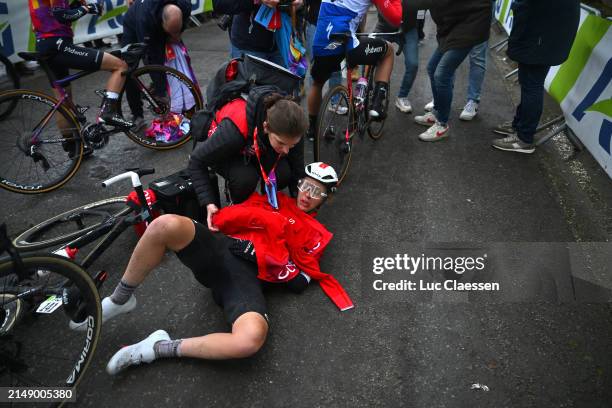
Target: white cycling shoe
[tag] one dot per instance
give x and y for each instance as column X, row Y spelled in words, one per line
column 109, row 311
column 142, row 352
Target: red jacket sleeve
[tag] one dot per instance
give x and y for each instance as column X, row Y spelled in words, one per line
column 391, row 10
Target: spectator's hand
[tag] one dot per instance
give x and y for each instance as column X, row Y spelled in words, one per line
column 95, row 8
column 271, row 3
column 129, row 2
column 211, row 210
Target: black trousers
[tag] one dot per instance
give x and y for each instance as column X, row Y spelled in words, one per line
column 155, row 55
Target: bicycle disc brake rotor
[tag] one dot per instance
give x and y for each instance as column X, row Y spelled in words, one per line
column 96, row 134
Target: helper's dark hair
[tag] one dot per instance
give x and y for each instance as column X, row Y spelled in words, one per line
column 284, row 116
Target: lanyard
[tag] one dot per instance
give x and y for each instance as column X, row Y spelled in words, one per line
column 269, row 180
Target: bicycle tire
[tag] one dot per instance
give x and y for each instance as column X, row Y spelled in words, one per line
column 375, row 127
column 58, row 151
column 9, row 79
column 330, row 140
column 35, row 350
column 31, row 239
column 194, row 91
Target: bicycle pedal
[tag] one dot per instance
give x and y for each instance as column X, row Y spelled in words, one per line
column 100, row 92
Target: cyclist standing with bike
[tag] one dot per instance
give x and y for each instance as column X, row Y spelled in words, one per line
column 51, row 21
column 154, row 22
column 338, row 17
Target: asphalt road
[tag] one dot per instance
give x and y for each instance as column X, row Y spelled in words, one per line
column 542, row 223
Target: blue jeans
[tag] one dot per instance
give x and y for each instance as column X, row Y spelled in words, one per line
column 411, row 61
column 336, row 77
column 478, row 67
column 441, row 69
column 273, row 56
column 529, row 111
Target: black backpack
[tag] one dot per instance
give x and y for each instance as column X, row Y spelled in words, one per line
column 249, row 75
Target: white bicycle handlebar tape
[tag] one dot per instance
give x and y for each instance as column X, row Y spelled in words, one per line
column 129, row 174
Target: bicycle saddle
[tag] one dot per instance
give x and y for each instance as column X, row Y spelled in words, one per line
column 340, row 37
column 130, row 51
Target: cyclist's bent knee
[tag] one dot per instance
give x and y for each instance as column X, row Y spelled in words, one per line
column 251, row 330
column 175, row 231
column 112, row 63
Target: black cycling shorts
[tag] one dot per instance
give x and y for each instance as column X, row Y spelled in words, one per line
column 64, row 55
column 232, row 280
column 369, row 52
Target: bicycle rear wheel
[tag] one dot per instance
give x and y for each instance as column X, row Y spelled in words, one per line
column 331, row 146
column 72, row 224
column 36, row 345
column 375, row 127
column 183, row 100
column 9, row 79
column 40, row 148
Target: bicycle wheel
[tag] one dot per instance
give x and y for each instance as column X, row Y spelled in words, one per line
column 36, row 344
column 330, row 144
column 9, row 79
column 40, row 148
column 183, row 101
column 72, row 224
column 375, row 127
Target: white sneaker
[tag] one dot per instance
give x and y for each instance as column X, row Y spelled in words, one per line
column 338, row 109
column 435, row 133
column 427, row 119
column 403, row 104
column 109, row 310
column 429, row 107
column 135, row 354
column 469, row 111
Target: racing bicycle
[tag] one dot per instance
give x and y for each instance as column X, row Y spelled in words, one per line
column 42, row 144
column 342, row 115
column 39, row 295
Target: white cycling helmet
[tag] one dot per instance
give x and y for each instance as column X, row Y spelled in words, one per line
column 323, row 173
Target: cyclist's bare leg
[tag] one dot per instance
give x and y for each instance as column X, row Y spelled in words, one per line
column 117, row 67
column 385, row 66
column 248, row 335
column 168, row 232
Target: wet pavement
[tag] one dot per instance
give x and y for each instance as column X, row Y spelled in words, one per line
column 541, row 224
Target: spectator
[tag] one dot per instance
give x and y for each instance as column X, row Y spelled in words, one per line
column 409, row 41
column 461, row 25
column 154, row 22
column 541, row 37
column 247, row 36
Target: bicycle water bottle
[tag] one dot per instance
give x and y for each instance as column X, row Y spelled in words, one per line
column 360, row 89
column 66, row 252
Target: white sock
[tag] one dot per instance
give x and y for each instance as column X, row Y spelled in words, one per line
column 111, row 95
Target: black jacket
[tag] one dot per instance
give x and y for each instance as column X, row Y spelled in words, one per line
column 461, row 23
column 543, row 32
column 245, row 32
column 228, row 143
column 146, row 17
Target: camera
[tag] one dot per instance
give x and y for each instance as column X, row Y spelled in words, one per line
column 224, row 22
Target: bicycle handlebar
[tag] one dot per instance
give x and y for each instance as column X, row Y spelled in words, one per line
column 372, row 35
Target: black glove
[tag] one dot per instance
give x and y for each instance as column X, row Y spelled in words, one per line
column 244, row 249
column 95, row 8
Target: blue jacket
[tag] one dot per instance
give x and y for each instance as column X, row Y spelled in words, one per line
column 543, row 31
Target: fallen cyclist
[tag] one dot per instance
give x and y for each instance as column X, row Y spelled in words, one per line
column 287, row 242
